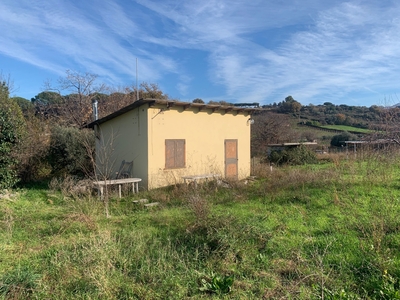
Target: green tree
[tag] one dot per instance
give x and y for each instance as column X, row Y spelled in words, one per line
column 11, row 133
column 47, row 98
column 47, row 104
column 289, row 105
column 25, row 105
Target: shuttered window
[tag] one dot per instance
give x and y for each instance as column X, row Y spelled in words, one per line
column 174, row 154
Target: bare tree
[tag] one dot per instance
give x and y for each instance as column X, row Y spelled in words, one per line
column 102, row 161
column 115, row 100
column 151, row 90
column 270, row 128
column 389, row 125
column 76, row 107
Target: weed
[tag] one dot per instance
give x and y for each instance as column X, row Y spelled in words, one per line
column 19, row 283
column 71, row 186
column 200, row 207
column 327, row 294
column 217, row 284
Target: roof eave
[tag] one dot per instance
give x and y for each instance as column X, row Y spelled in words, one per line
column 151, row 102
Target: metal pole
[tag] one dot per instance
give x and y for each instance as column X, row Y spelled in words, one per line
column 137, row 90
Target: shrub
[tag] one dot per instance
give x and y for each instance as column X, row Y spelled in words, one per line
column 69, row 151
column 296, row 156
column 200, row 207
column 33, row 151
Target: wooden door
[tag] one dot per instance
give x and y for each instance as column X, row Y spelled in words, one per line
column 231, row 159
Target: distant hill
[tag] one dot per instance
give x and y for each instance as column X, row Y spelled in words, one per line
column 307, row 123
column 330, row 114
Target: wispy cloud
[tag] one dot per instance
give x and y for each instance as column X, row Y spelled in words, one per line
column 256, row 51
column 347, row 48
column 70, row 36
column 343, row 47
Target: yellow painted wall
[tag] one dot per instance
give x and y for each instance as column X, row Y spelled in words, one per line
column 124, row 138
column 205, row 133
column 140, row 135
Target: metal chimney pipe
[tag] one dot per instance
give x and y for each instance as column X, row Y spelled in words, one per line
column 95, row 109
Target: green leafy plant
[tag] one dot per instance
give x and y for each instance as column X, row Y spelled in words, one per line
column 218, row 284
column 11, row 132
column 388, row 288
column 68, row 154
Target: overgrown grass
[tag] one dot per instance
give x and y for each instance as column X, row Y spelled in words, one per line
column 326, row 231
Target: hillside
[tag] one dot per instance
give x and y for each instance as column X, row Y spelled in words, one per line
column 289, row 121
column 330, row 114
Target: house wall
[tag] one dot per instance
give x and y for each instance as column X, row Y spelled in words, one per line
column 123, row 138
column 204, row 133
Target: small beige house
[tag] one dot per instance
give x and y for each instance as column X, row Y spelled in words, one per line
column 170, row 139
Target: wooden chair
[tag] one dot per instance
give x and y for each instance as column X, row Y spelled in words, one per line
column 125, row 170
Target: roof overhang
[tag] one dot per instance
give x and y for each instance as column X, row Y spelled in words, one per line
column 169, row 104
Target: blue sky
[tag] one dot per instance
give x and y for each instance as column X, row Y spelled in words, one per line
column 344, row 52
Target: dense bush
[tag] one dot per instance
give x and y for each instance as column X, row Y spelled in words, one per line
column 339, row 139
column 11, row 132
column 34, row 149
column 71, row 151
column 296, row 156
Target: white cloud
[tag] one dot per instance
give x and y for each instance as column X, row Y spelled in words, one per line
column 329, row 59
column 258, row 50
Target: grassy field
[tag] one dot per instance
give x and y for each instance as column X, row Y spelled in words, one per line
column 327, row 231
column 347, row 128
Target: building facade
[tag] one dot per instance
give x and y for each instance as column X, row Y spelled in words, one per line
column 169, row 139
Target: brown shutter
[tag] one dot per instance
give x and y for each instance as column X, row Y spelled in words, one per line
column 179, row 153
column 175, row 154
column 169, row 154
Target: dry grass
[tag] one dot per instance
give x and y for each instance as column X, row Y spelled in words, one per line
column 72, row 187
column 199, row 206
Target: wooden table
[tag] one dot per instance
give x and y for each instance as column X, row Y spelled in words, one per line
column 195, row 178
column 102, row 184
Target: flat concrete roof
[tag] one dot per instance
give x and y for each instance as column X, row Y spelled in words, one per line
column 169, row 104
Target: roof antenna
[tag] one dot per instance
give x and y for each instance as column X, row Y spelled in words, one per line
column 137, row 90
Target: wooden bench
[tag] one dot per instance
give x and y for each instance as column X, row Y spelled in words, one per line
column 196, row 178
column 102, row 184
